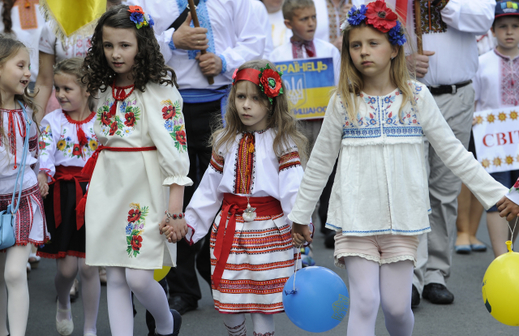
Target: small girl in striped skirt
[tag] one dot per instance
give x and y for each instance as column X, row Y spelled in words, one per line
column 254, row 176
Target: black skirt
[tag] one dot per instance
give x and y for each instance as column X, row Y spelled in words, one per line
column 66, row 239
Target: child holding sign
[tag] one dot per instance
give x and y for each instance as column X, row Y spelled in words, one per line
column 495, row 88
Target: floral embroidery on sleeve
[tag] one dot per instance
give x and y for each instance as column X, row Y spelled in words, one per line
column 122, row 123
column 45, row 139
column 135, row 228
column 174, row 123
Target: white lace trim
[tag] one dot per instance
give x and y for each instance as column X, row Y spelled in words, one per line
column 339, row 263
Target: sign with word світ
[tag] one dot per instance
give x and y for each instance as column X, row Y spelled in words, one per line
column 496, row 136
column 308, row 83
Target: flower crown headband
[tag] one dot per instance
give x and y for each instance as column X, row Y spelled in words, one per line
column 138, row 17
column 380, row 17
column 268, row 80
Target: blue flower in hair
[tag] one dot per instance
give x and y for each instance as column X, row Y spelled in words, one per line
column 356, row 16
column 396, row 35
column 150, row 21
column 136, row 18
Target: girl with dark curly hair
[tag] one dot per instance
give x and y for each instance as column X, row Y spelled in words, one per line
column 141, row 132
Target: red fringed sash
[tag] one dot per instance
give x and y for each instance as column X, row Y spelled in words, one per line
column 67, row 174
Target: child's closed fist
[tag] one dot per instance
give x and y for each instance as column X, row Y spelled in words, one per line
column 43, row 185
column 507, row 208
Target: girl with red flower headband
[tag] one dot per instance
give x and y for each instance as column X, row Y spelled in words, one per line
column 375, row 124
column 132, row 219
column 61, row 183
column 253, row 176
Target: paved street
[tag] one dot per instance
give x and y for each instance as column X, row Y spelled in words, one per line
column 466, row 316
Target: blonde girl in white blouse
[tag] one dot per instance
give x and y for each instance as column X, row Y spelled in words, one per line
column 375, row 123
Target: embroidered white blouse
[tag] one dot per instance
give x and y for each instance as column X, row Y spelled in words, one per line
column 496, row 83
column 11, row 152
column 50, row 44
column 59, row 142
column 381, row 182
column 271, row 176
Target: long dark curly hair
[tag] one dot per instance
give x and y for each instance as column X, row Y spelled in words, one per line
column 149, row 65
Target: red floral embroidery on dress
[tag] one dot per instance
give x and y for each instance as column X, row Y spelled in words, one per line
column 135, row 227
column 174, row 123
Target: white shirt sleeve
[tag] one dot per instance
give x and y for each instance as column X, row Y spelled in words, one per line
column 470, row 16
column 320, row 165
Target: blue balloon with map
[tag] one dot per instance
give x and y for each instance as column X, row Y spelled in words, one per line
column 315, row 299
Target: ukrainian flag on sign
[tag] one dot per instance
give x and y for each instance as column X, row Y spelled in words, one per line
column 308, row 83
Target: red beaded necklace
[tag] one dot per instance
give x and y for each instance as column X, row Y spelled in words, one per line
column 119, row 94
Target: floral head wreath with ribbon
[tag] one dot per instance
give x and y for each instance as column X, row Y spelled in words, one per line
column 268, row 80
column 380, row 17
column 138, row 17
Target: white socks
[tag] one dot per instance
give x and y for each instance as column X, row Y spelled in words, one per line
column 263, row 324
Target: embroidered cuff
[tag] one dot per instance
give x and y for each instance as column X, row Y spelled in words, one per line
column 224, row 64
column 48, row 173
column 180, row 180
column 513, row 194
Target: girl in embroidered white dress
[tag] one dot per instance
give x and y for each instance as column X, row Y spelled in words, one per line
column 142, row 148
column 30, row 218
column 375, row 123
column 255, row 170
column 67, row 141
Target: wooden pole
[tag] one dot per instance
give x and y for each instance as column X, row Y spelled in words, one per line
column 418, row 26
column 194, row 16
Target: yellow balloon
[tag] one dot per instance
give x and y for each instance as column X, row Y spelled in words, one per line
column 501, row 288
column 159, row 274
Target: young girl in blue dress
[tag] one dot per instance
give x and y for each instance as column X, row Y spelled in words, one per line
column 379, row 205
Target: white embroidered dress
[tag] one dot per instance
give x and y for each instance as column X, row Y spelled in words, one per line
column 59, row 143
column 262, row 257
column 128, row 192
column 381, row 181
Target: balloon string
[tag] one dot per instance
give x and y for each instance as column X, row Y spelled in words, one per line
column 300, row 262
column 512, row 232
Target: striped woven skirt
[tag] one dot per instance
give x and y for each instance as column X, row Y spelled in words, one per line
column 260, row 258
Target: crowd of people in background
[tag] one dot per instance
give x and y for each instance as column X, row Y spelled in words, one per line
column 191, row 111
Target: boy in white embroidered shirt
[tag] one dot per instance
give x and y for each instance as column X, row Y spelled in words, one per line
column 494, row 86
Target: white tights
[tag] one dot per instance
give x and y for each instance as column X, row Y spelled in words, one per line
column 13, row 265
column 123, row 281
column 235, row 323
column 370, row 285
column 90, row 289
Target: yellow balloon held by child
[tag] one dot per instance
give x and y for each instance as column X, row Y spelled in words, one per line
column 161, row 273
column 501, row 288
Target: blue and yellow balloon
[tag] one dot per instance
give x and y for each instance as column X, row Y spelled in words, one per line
column 318, row 301
column 501, row 287
column 160, row 273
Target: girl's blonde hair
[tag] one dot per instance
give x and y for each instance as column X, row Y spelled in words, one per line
column 73, row 66
column 279, row 119
column 8, row 48
column 351, row 82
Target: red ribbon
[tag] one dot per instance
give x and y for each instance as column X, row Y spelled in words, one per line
column 234, row 205
column 67, row 174
column 88, row 169
column 248, row 74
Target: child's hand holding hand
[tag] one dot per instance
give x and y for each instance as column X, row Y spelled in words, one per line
column 507, row 208
column 300, row 234
column 42, row 184
column 173, row 229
